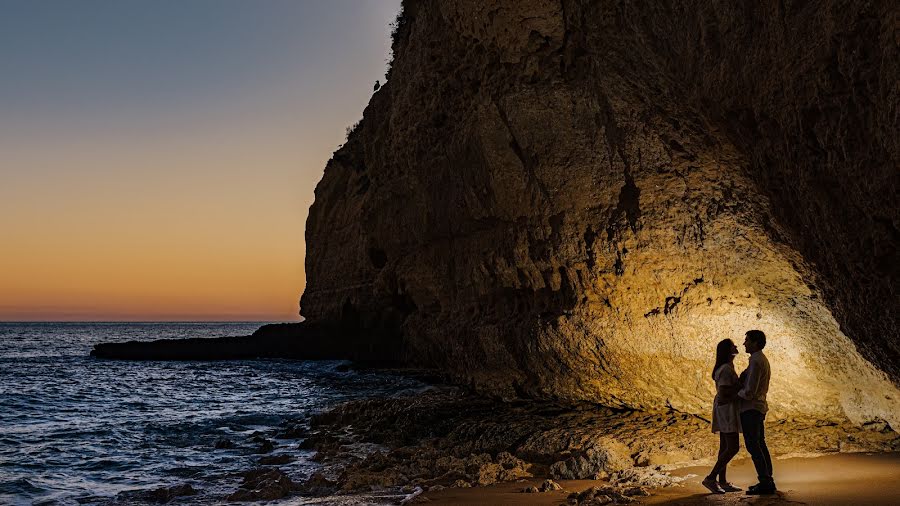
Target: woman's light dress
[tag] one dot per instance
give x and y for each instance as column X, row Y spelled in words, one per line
column 727, row 417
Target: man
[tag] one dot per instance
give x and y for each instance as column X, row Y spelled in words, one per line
column 753, row 411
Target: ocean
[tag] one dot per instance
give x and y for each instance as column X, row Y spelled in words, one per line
column 80, row 430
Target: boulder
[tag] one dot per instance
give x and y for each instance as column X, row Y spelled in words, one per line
column 264, row 485
column 550, row 486
column 159, row 495
column 603, row 455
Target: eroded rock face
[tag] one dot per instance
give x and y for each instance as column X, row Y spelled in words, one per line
column 578, row 200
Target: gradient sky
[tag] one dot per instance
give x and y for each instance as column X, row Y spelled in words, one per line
column 158, row 157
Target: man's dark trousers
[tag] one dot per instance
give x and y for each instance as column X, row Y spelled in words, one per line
column 752, row 423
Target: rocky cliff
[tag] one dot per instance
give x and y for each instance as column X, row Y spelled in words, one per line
column 578, row 200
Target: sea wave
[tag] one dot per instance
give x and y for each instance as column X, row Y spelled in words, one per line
column 79, row 430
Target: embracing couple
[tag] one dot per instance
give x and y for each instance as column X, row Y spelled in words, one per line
column 740, row 406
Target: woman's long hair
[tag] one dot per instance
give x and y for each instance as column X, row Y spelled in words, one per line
column 724, row 354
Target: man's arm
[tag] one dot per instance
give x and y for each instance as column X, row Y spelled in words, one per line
column 752, row 383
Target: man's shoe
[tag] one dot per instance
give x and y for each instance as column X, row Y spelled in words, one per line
column 754, row 487
column 762, row 489
column 712, row 485
column 728, row 487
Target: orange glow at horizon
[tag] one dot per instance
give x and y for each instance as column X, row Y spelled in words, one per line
column 153, row 242
column 201, row 220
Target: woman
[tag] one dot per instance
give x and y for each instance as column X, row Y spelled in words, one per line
column 726, row 418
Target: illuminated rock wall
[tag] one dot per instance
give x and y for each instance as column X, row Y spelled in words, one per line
column 579, row 200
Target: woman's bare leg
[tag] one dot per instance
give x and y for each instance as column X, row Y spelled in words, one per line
column 728, row 448
column 732, row 445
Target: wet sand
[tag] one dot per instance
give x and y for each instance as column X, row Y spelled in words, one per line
column 845, row 479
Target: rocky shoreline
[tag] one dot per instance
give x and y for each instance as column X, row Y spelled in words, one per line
column 449, row 438
column 404, row 447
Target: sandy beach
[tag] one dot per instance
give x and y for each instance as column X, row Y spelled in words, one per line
column 857, row 479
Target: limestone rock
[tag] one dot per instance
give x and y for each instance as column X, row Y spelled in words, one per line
column 656, row 458
column 318, row 485
column 158, row 495
column 576, row 200
column 293, row 431
column 603, row 455
column 264, row 485
column 636, row 492
column 486, row 471
column 643, row 477
column 550, row 486
column 265, row 445
column 600, row 495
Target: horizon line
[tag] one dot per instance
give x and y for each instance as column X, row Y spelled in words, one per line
column 150, row 321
